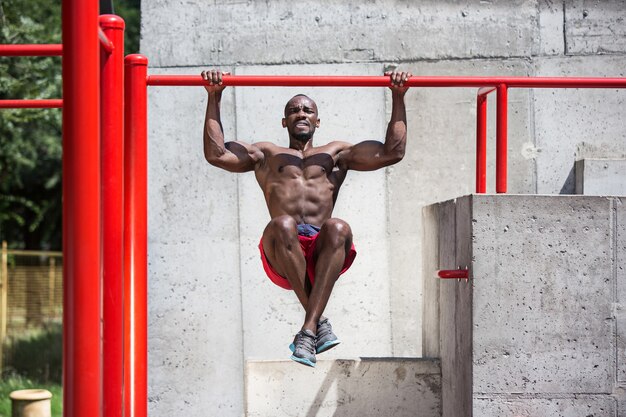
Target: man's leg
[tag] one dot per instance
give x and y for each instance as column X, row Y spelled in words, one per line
column 282, row 249
column 332, row 245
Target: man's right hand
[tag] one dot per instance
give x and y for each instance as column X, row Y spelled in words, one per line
column 214, row 80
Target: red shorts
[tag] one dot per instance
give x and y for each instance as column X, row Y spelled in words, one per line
column 307, row 244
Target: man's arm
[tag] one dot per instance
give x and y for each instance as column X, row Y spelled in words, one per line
column 232, row 156
column 371, row 155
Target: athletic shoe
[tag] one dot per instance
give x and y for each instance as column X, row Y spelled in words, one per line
column 326, row 339
column 304, row 348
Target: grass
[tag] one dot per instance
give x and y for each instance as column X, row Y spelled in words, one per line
column 16, row 382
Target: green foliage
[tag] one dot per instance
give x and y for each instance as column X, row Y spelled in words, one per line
column 10, row 383
column 39, row 356
column 30, row 139
column 129, row 10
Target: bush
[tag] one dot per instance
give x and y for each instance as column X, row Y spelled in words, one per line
column 40, row 356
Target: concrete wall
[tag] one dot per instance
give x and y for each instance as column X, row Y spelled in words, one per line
column 367, row 387
column 206, row 283
column 540, row 322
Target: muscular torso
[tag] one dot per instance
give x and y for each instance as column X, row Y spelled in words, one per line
column 301, row 184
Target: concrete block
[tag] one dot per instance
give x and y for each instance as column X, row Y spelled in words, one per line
column 595, row 27
column 619, row 269
column 185, row 194
column 551, row 40
column 193, row 288
column 543, row 278
column 431, row 288
column 601, row 177
column 579, row 406
column 350, row 387
column 188, row 324
column 573, row 124
column 236, row 32
column 455, row 311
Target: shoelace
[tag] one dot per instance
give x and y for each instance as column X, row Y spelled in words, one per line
column 304, row 341
column 323, row 329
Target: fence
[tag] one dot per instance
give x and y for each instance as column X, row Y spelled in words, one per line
column 31, row 295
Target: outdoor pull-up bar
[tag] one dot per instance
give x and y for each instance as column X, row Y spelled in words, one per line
column 383, row 81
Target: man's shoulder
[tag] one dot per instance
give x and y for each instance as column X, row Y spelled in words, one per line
column 268, row 146
column 336, row 145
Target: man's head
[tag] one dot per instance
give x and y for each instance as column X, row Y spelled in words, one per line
column 301, row 118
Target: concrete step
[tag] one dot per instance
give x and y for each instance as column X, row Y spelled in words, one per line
column 360, row 387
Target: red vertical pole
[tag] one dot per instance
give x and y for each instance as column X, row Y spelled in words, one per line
column 82, row 360
column 481, row 143
column 135, row 237
column 112, row 134
column 501, row 139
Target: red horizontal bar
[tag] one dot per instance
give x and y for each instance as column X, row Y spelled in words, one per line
column 383, row 81
column 31, row 50
column 31, row 104
column 453, row 273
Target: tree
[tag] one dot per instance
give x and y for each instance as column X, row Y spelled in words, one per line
column 30, row 139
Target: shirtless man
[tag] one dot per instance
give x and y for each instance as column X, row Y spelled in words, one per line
column 303, row 247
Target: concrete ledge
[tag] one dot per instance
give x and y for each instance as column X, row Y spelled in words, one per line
column 347, row 387
column 601, row 176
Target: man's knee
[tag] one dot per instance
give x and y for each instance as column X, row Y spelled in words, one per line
column 281, row 228
column 337, row 231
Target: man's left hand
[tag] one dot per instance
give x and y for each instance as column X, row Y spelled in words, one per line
column 398, row 78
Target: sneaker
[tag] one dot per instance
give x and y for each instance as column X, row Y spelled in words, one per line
column 326, row 339
column 304, row 348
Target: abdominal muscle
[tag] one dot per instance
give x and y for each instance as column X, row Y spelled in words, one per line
column 306, row 200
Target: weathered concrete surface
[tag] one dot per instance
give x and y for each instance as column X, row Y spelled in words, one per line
column 601, row 176
column 205, row 224
column 194, row 290
column 543, row 312
column 272, row 32
column 543, row 277
column 595, row 27
column 348, row 387
column 572, row 124
column 579, row 406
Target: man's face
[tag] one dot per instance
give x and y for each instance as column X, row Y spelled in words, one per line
column 301, row 118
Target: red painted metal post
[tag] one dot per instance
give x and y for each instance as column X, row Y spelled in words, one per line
column 82, row 349
column 481, row 140
column 112, row 133
column 135, row 237
column 501, row 139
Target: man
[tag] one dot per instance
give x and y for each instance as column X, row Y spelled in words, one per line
column 303, row 247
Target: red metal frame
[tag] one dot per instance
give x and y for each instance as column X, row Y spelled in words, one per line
column 383, row 81
column 501, row 138
column 112, row 136
column 481, row 139
column 31, row 50
column 31, row 104
column 88, row 389
column 135, row 237
column 82, row 351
